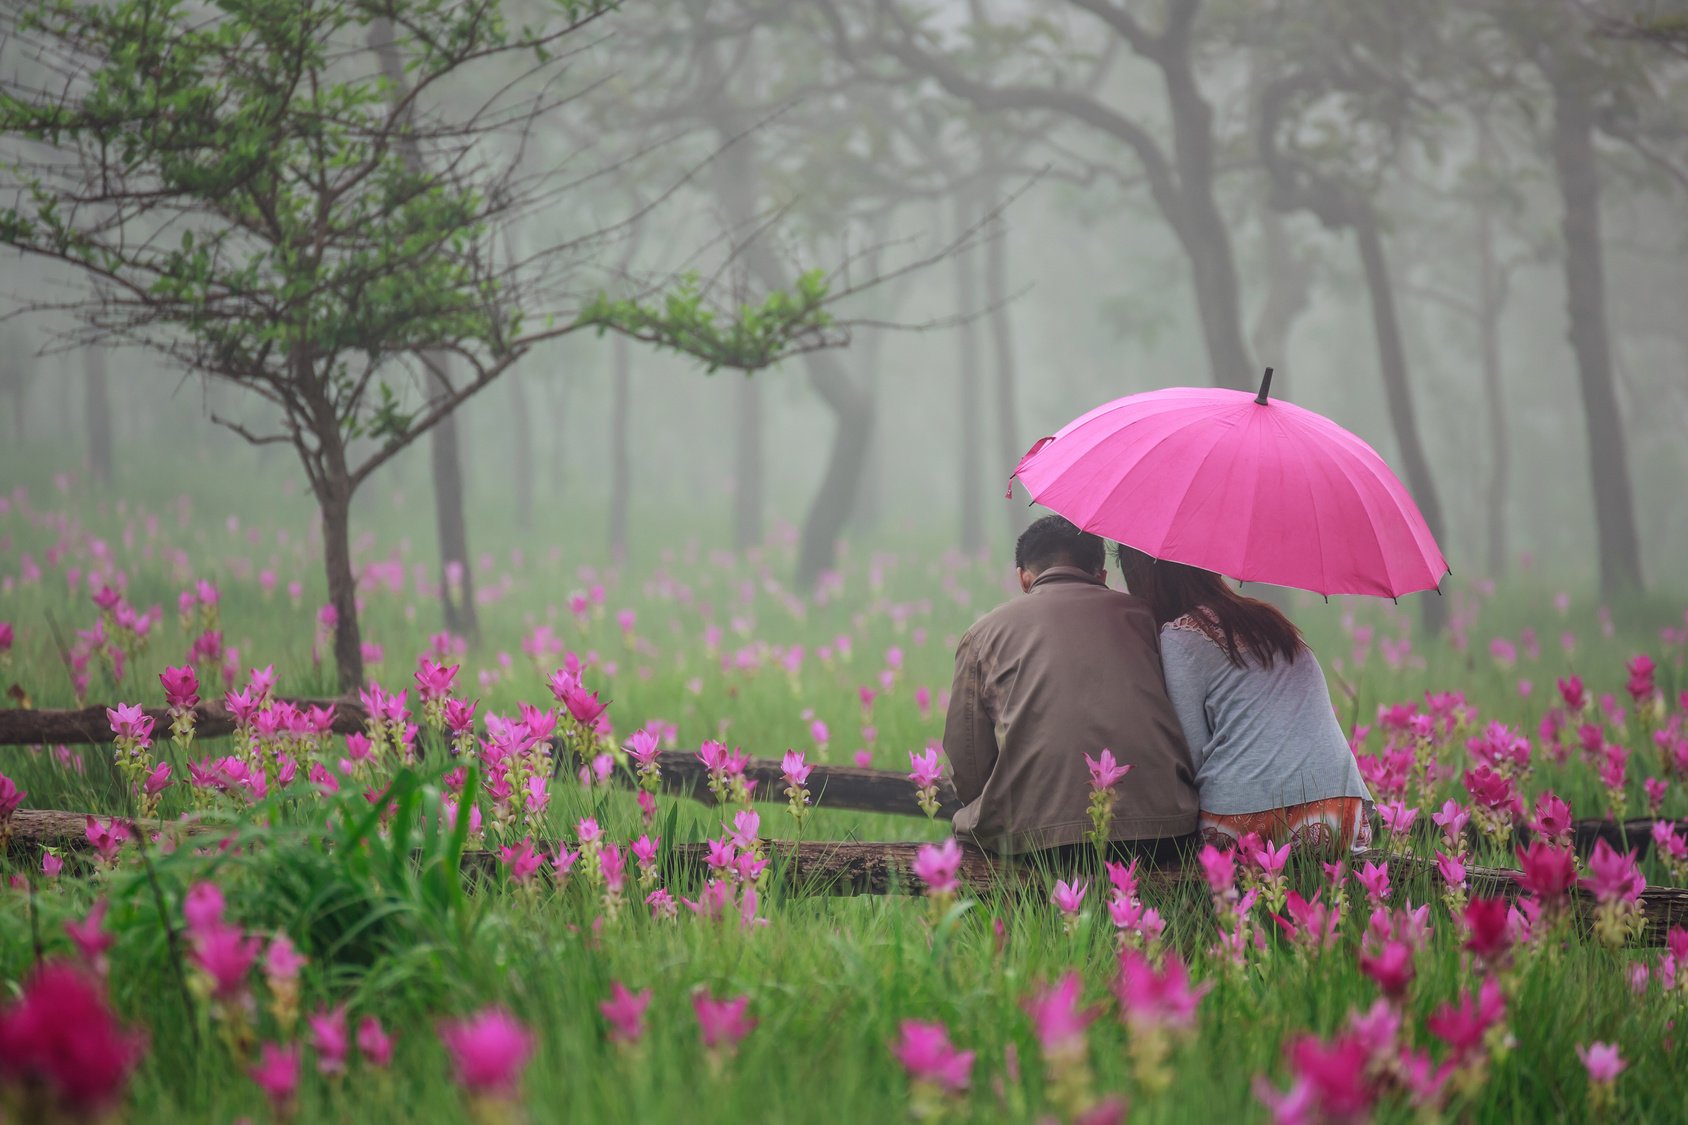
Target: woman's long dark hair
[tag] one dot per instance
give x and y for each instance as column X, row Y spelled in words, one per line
column 1242, row 626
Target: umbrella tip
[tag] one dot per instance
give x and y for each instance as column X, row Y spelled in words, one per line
column 1265, row 387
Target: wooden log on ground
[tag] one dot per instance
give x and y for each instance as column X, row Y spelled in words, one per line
column 848, row 867
column 851, row 788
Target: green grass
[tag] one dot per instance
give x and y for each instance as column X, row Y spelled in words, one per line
column 394, row 932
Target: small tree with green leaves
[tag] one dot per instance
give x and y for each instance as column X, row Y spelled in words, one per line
column 248, row 193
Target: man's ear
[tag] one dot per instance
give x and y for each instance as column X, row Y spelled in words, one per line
column 1102, row 576
column 1026, row 579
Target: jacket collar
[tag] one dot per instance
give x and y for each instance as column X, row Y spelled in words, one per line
column 1061, row 575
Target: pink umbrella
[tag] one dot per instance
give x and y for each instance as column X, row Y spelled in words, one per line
column 1262, row 491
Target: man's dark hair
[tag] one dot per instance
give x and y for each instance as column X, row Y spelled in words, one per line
column 1054, row 541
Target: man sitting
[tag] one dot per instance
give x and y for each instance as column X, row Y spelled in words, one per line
column 1069, row 669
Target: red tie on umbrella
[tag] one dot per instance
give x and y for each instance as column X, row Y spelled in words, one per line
column 1255, row 488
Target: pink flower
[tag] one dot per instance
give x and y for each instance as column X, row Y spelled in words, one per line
column 376, row 1044
column 1391, row 966
column 459, row 716
column 863, row 759
column 613, row 865
column 1148, row 999
column 1105, row 773
column 723, row 1023
column 130, row 721
column 225, row 955
column 926, row 1053
column 62, row 1035
column 1452, row 821
column 329, row 1039
column 1640, row 685
column 794, row 769
column 488, row 1051
column 282, row 961
column 202, row 906
column 90, row 937
column 1336, row 1076
column 1069, row 897
column 1487, row 929
column 645, row 747
column 1057, row 1018
column 1398, row 816
column 1611, row 876
column 625, row 1012
column 10, row 797
column 157, row 781
column 1603, row 1062
column 520, row 860
column 277, row 1074
column 926, row 769
column 1270, row 860
column 1451, row 868
column 181, row 687
column 108, row 838
column 1547, row 872
column 1462, row 1027
column 1220, row 868
column 937, row 866
column 433, row 681
column 1374, row 877
column 1552, row 816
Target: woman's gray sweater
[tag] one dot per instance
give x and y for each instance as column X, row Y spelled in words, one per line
column 1260, row 738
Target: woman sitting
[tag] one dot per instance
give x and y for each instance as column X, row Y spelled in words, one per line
column 1269, row 755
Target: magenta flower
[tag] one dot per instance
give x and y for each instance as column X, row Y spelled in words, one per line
column 1487, row 929
column 1452, row 821
column 520, row 860
column 277, row 1074
column 181, row 687
column 937, row 866
column 645, row 747
column 1640, row 685
column 90, row 937
column 794, row 769
column 203, row 907
column 1463, row 1026
column 1057, row 1018
column 1451, row 868
column 1547, row 872
column 488, row 1051
column 1219, row 867
column 5, row 636
column 329, row 1039
column 10, row 797
column 108, row 838
column 1335, row 1076
column 1390, row 965
column 130, row 721
column 1603, row 1062
column 925, row 769
column 433, row 681
column 1148, row 999
column 1613, row 877
column 375, row 1044
column 613, row 866
column 1270, row 860
column 1374, row 877
column 61, row 1035
column 926, row 1053
column 225, row 955
column 723, row 1023
column 1105, row 773
column 625, row 1012
column 1552, row 817
column 1069, row 897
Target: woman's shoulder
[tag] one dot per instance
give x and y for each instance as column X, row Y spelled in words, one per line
column 1200, row 621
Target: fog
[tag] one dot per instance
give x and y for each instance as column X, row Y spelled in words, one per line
column 1037, row 141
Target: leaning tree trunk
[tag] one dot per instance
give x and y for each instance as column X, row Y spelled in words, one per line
column 621, row 456
column 1491, row 301
column 1397, row 391
column 334, row 496
column 97, row 416
column 1010, row 442
column 969, row 409
column 852, row 408
column 1574, row 162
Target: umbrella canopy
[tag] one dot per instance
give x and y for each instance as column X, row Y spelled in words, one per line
column 1255, row 488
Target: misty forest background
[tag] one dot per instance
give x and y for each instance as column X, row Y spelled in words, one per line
column 1458, row 229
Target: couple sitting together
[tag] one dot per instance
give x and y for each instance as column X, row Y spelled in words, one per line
column 1211, row 698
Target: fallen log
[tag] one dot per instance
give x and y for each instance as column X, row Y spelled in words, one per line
column 847, row 867
column 837, row 787
column 851, row 788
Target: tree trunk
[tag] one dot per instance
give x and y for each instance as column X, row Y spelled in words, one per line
column 1010, row 441
column 521, row 451
column 969, row 413
column 97, row 417
column 621, row 457
column 747, row 466
column 334, row 497
column 1574, row 162
column 830, row 510
column 1491, row 301
column 457, row 598
column 1197, row 221
column 1397, row 392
